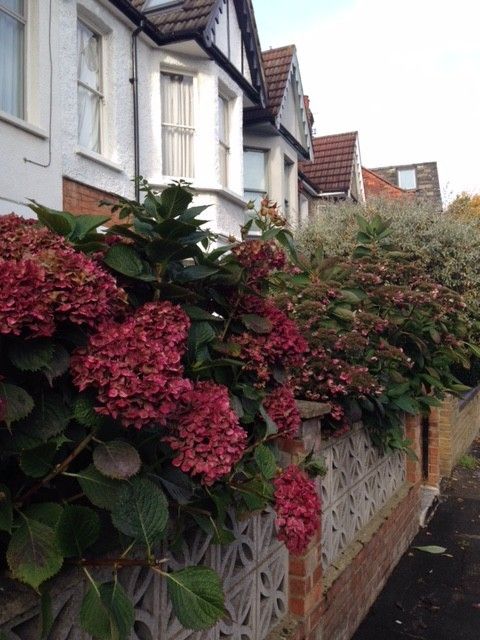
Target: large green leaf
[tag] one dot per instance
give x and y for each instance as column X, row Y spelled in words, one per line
column 200, row 333
column 77, row 529
column 19, row 403
column 48, row 513
column 256, row 323
column 84, row 412
column 124, row 259
column 141, row 511
column 37, row 462
column 117, row 459
column 265, row 459
column 49, row 417
column 33, row 555
column 197, row 597
column 59, row 222
column 175, row 200
column 100, row 490
column 31, row 355
column 6, row 509
column 106, row 612
column 85, row 224
column 198, row 272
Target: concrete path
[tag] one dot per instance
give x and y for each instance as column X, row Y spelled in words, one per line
column 437, row 597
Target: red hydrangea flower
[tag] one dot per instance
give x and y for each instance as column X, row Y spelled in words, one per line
column 281, row 407
column 24, row 299
column 297, row 506
column 207, row 437
column 260, row 257
column 50, row 282
column 136, row 365
column 282, row 345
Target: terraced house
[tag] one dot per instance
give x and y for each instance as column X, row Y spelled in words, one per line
column 95, row 92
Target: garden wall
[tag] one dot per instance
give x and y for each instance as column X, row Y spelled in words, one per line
column 459, row 424
column 370, row 515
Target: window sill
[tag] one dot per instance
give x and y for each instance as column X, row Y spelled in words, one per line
column 97, row 157
column 24, row 125
column 224, row 193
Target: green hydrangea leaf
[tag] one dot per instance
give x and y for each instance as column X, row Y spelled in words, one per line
column 19, row 403
column 141, row 511
column 77, row 529
column 32, row 554
column 106, row 612
column 266, row 462
column 117, row 459
column 100, row 490
column 6, row 509
column 197, row 597
column 31, row 355
column 37, row 462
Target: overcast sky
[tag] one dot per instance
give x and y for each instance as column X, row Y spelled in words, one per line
column 406, row 75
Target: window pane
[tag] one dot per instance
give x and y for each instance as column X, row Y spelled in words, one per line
column 223, row 120
column 89, row 119
column 14, row 5
column 177, row 125
column 254, row 171
column 88, row 44
column 407, row 179
column 11, row 65
column 223, row 151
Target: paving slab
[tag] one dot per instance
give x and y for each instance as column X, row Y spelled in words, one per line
column 436, row 597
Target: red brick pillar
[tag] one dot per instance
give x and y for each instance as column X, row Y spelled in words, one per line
column 306, row 588
column 413, row 431
column 433, row 477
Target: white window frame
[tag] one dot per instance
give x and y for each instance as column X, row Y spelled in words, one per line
column 99, row 93
column 409, row 170
column 224, row 144
column 265, row 153
column 22, row 19
column 169, row 71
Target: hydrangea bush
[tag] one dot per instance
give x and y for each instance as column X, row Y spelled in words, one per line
column 145, row 378
column 384, row 337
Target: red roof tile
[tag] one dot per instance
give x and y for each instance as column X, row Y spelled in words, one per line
column 277, row 64
column 334, row 157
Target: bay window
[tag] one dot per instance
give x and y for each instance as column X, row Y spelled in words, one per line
column 12, row 57
column 89, row 88
column 178, row 128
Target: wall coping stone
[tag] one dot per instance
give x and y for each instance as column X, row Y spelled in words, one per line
column 309, row 409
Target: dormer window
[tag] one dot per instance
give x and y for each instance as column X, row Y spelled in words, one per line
column 407, row 179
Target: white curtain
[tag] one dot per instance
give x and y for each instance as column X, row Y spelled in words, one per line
column 89, row 102
column 177, row 125
column 11, row 60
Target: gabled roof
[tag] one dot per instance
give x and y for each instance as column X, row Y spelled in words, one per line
column 334, row 160
column 378, row 187
column 196, row 19
column 281, row 67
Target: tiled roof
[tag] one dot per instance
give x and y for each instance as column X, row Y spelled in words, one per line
column 277, row 64
column 334, row 156
column 189, row 15
column 378, row 187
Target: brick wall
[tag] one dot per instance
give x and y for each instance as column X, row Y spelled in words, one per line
column 330, row 605
column 459, row 424
column 81, row 198
column 428, row 185
column 377, row 187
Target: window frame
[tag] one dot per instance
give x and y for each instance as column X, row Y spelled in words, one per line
column 288, row 165
column 404, row 170
column 265, row 153
column 224, row 144
column 22, row 19
column 168, row 71
column 100, row 94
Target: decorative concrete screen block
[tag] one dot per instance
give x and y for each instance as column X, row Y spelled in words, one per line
column 358, row 483
column 253, row 569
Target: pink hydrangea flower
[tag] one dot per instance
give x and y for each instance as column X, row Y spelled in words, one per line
column 282, row 345
column 297, row 507
column 281, row 407
column 50, row 282
column 260, row 257
column 136, row 366
column 207, row 438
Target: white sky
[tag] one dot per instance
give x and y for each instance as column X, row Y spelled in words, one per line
column 406, row 75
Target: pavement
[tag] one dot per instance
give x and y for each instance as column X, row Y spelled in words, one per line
column 437, row 597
